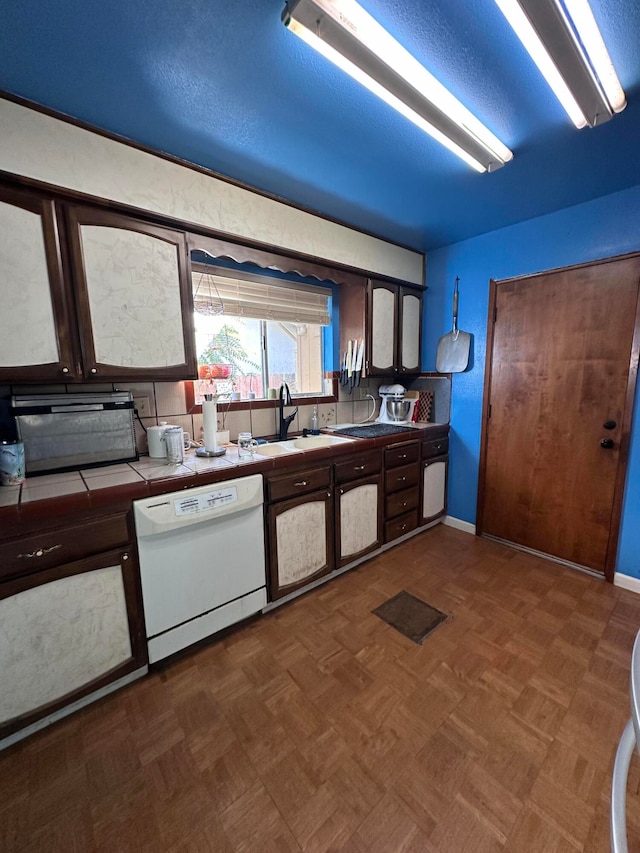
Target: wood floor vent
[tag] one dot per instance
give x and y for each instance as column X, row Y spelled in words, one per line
column 411, row 616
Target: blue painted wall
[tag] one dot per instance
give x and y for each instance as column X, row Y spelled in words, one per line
column 599, row 229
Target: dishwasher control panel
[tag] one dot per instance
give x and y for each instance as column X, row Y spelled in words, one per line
column 202, row 505
column 191, row 504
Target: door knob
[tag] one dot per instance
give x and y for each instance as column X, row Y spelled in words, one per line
column 607, row 443
column 609, row 424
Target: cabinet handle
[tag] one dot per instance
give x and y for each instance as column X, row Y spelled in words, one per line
column 40, row 552
column 301, row 483
column 125, row 557
column 65, row 369
column 93, row 370
column 359, row 467
column 342, row 491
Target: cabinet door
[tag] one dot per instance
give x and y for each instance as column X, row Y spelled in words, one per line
column 35, row 320
column 134, row 297
column 410, row 324
column 67, row 632
column 358, row 519
column 434, row 489
column 382, row 328
column 300, row 542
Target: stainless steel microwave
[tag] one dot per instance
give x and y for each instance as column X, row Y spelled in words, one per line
column 66, row 432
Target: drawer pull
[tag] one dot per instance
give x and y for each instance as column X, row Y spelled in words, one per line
column 404, row 527
column 404, row 456
column 125, row 557
column 404, row 503
column 401, row 479
column 359, row 467
column 301, row 483
column 40, row 552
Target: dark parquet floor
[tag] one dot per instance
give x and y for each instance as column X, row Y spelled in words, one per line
column 318, row 727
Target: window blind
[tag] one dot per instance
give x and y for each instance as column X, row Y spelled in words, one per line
column 268, row 299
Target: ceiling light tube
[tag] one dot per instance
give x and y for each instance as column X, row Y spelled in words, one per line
column 563, row 40
column 349, row 37
column 594, row 46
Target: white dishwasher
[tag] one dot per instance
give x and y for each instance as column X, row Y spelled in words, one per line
column 202, row 561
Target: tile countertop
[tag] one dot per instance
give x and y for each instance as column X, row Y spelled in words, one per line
column 91, row 488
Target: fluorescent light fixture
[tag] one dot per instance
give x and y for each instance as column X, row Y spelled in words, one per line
column 349, row 37
column 564, row 41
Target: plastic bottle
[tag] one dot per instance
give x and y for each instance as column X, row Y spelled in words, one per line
column 314, row 422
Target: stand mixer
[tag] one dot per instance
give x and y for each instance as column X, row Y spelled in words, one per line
column 394, row 409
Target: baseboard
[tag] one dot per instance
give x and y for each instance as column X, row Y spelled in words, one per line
column 626, row 582
column 459, row 524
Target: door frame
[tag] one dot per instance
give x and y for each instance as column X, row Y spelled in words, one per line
column 625, row 438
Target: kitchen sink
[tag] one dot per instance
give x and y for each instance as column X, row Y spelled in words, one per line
column 313, row 442
column 300, row 444
column 276, row 448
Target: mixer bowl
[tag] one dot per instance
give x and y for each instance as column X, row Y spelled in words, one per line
column 398, row 409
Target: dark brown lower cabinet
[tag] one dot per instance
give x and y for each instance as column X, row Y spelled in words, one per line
column 358, row 519
column 68, row 631
column 401, row 486
column 300, row 515
column 433, row 480
column 434, row 489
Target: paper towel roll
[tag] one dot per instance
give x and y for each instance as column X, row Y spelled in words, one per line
column 210, row 424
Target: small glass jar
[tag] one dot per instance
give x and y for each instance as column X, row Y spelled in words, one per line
column 246, row 445
column 174, row 441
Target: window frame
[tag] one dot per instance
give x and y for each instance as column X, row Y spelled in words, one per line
column 297, row 268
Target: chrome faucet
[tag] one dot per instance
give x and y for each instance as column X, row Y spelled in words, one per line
column 284, row 398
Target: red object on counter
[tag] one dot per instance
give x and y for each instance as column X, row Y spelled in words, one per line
column 214, row 371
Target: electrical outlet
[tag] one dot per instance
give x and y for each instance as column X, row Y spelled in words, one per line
column 143, row 407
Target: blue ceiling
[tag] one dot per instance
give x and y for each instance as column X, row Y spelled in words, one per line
column 226, row 86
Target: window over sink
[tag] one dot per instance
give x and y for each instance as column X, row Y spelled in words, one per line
column 254, row 332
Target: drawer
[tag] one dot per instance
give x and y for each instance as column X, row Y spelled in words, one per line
column 290, row 485
column 401, row 455
column 401, row 502
column 435, row 447
column 401, row 478
column 399, row 526
column 53, row 548
column 357, row 467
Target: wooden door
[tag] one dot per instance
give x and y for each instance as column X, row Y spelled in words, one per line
column 562, row 363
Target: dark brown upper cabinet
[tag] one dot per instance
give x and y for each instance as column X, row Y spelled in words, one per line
column 394, row 326
column 135, row 308
column 93, row 294
column 37, row 323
